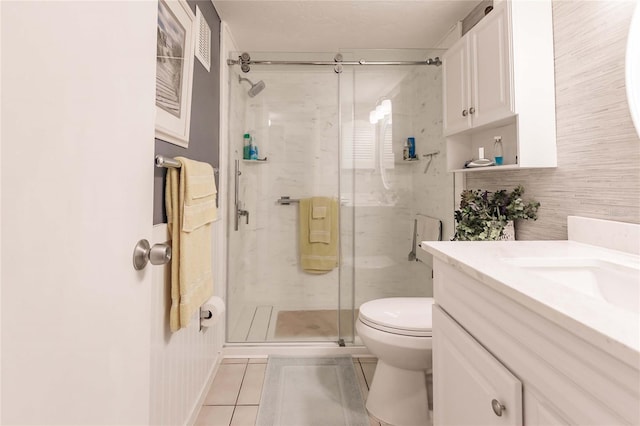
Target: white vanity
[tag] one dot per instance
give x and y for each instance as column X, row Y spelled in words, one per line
column 539, row 332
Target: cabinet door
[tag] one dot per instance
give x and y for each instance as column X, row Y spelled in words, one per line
column 455, row 80
column 491, row 68
column 467, row 379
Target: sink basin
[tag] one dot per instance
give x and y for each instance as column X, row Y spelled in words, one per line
column 617, row 284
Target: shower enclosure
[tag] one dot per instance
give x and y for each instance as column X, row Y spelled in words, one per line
column 334, row 131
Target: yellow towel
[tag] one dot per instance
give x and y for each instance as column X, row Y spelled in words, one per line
column 318, row 258
column 190, row 202
column 320, row 220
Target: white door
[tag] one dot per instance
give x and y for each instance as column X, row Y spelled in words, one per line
column 78, row 88
column 469, row 384
column 455, row 80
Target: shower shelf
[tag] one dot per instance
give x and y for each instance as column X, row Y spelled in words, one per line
column 414, row 160
column 255, row 161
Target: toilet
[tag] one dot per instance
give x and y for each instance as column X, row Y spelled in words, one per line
column 397, row 331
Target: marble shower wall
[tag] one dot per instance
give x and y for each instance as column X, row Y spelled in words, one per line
column 295, row 123
column 386, row 207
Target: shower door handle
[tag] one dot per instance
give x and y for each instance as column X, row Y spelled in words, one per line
column 241, row 212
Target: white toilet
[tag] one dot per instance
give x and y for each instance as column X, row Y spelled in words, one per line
column 397, row 330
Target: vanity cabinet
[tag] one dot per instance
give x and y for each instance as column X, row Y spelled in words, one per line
column 498, row 80
column 486, row 392
column 477, row 76
column 486, row 345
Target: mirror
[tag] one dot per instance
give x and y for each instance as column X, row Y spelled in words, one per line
column 633, row 69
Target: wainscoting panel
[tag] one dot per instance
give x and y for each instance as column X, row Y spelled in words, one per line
column 182, row 363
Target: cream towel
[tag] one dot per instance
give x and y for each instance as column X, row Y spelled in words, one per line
column 320, row 220
column 318, row 257
column 190, row 203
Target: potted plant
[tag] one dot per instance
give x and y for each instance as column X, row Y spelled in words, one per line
column 485, row 215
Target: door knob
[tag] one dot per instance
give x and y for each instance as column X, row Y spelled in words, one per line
column 472, row 110
column 143, row 253
column 464, row 113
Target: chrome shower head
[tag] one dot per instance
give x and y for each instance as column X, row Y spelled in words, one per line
column 255, row 88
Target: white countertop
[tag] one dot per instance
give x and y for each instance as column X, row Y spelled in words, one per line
column 611, row 328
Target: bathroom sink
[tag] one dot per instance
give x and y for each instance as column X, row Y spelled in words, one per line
column 615, row 283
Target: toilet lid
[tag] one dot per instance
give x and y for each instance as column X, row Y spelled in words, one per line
column 399, row 315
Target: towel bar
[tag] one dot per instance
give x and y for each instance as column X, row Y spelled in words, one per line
column 162, row 161
column 285, row 201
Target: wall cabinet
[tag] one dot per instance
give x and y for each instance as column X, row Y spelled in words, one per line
column 498, row 80
column 486, row 345
column 477, row 76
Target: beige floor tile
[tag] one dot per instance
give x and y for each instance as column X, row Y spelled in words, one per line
column 245, row 415
column 258, row 360
column 368, row 369
column 226, row 385
column 235, row 360
column 252, row 385
column 214, row 416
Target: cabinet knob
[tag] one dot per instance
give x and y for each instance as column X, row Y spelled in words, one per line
column 472, row 110
column 497, row 407
column 464, row 113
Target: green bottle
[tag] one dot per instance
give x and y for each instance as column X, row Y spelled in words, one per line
column 246, row 148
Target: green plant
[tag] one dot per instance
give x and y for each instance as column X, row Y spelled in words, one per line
column 483, row 214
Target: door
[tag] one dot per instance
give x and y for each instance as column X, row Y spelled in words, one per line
column 456, row 81
column 490, row 61
column 78, row 90
column 470, row 386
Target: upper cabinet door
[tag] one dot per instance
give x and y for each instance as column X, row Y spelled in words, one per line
column 456, row 102
column 491, row 71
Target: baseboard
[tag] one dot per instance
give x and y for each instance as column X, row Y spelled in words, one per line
column 195, row 411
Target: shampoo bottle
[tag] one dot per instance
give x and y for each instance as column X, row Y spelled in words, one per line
column 246, row 147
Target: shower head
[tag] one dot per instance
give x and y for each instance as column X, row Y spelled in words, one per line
column 255, row 88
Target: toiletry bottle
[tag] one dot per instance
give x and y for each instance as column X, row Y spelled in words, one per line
column 246, row 147
column 497, row 150
column 253, row 150
column 405, row 151
column 412, row 147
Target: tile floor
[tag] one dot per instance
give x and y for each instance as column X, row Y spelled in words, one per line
column 234, row 397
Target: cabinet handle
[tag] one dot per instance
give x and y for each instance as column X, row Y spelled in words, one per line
column 472, row 110
column 497, row 407
column 464, row 112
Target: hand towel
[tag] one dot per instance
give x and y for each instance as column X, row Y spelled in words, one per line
column 320, row 220
column 318, row 257
column 428, row 229
column 190, row 203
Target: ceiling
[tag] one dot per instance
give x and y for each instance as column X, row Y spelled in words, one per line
column 330, row 25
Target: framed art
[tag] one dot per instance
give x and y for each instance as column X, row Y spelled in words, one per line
column 174, row 71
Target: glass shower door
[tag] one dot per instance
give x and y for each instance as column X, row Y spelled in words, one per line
column 295, row 124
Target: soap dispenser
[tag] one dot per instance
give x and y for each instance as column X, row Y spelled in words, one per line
column 497, row 150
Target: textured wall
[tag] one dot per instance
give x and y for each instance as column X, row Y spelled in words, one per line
column 598, row 173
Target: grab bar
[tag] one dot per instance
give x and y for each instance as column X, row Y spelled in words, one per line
column 168, row 162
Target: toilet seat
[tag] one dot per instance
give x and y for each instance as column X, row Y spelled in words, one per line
column 406, row 316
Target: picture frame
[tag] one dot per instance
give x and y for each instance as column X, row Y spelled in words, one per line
column 174, row 71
